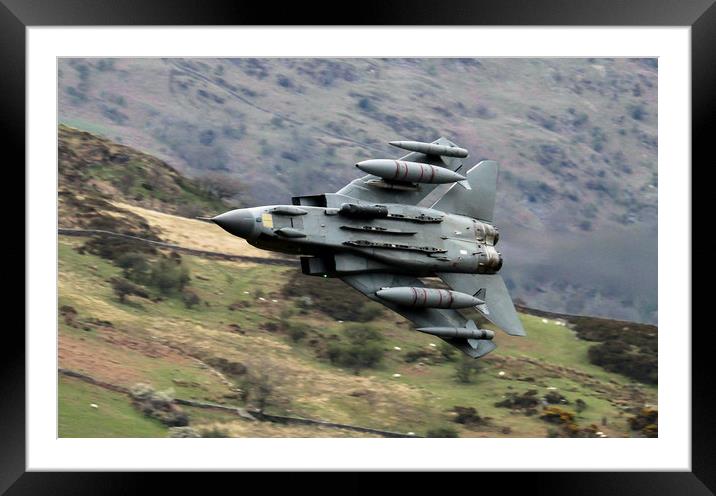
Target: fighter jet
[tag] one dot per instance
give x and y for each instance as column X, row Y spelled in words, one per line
column 423, row 215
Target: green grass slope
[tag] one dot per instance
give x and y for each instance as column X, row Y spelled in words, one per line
column 111, row 415
column 245, row 326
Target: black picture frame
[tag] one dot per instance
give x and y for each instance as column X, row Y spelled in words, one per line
column 16, row 15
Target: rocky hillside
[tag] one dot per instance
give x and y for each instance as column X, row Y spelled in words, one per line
column 576, row 138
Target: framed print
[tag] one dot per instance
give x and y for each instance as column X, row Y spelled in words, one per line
column 415, row 239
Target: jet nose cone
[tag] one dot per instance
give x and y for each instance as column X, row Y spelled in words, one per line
column 241, row 222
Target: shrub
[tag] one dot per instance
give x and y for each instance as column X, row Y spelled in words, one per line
column 213, row 432
column 465, row 369
column 69, row 313
column 168, row 276
column 123, row 288
column 646, row 421
column 134, row 265
column 527, row 402
column 621, row 358
column 158, row 404
column 190, row 298
column 467, row 415
column 330, row 297
column 228, row 367
column 183, row 432
column 361, row 348
column 448, row 351
column 554, row 398
column 627, row 348
column 555, row 415
column 445, row 431
column 297, row 331
column 637, row 112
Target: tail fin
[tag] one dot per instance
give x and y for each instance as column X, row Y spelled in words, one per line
column 478, row 201
column 501, row 310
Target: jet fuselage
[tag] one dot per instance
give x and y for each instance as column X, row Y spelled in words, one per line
column 415, row 240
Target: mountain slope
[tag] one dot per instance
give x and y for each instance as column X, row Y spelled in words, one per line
column 576, row 137
column 94, row 170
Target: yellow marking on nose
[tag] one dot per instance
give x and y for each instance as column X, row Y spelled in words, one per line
column 267, row 220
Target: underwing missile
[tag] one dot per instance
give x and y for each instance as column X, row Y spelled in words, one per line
column 431, row 149
column 427, row 297
column 411, row 172
column 458, row 332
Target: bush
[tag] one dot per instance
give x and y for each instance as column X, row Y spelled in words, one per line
column 331, row 297
column 134, row 265
column 527, row 402
column 627, row 348
column 297, row 331
column 554, row 398
column 621, row 358
column 646, row 421
column 168, row 276
column 159, row 405
column 447, row 350
column 465, row 369
column 213, row 432
column 111, row 248
column 467, row 415
column 227, row 367
column 361, row 348
column 637, row 112
column 445, row 431
column 555, row 415
column 190, row 298
column 183, row 432
column 123, row 288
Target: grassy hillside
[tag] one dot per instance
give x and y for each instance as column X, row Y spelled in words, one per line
column 245, row 325
column 93, row 171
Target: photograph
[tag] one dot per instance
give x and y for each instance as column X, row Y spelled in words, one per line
column 357, row 247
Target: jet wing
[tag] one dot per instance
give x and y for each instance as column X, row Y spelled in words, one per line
column 361, row 189
column 369, row 283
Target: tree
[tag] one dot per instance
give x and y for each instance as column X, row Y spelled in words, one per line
column 261, row 387
column 221, row 185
